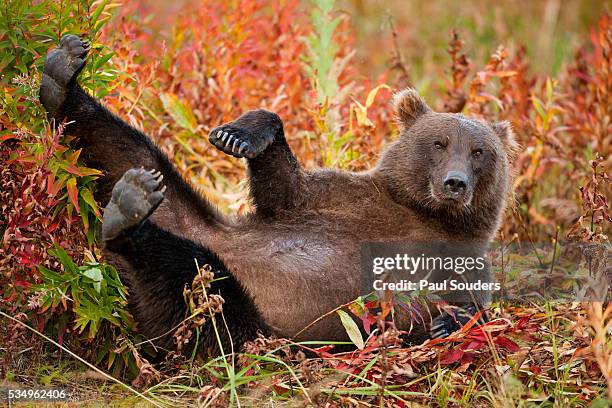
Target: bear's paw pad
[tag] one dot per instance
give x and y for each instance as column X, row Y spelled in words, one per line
column 134, row 198
column 249, row 135
column 66, row 61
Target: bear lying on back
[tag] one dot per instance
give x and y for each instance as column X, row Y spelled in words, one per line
column 296, row 256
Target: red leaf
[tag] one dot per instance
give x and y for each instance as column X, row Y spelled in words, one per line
column 473, row 345
column 506, row 343
column 22, row 284
column 367, row 321
column 522, row 323
column 451, row 356
column 371, row 304
column 323, row 351
column 280, row 388
column 468, row 358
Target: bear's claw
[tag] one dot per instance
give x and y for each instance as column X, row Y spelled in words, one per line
column 134, row 198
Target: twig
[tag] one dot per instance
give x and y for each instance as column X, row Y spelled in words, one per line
column 318, row 319
column 397, row 59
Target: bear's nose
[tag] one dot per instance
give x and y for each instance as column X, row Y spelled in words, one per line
column 455, row 182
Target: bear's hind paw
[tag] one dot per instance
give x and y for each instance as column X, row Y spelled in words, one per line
column 62, row 65
column 134, row 198
column 444, row 324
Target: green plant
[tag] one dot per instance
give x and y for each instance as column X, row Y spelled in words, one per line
column 96, row 295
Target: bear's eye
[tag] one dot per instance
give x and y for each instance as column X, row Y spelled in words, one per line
column 477, row 153
column 438, row 145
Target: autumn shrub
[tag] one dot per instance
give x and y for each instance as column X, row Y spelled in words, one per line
column 49, row 214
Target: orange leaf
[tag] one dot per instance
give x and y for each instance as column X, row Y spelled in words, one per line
column 53, row 185
column 81, row 171
column 73, row 193
column 466, row 327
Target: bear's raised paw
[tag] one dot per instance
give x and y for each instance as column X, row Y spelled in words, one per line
column 249, row 135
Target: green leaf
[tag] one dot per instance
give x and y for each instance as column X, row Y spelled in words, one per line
column 549, row 90
column 351, row 329
column 539, row 107
column 63, row 257
column 95, row 275
column 180, row 112
column 102, row 60
column 99, row 10
column 87, row 196
column 49, row 275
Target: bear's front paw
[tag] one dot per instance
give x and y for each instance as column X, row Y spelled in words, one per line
column 62, row 65
column 134, row 198
column 249, row 135
column 446, row 323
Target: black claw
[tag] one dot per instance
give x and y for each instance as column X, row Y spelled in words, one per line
column 445, row 323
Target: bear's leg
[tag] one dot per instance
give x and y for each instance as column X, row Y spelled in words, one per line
column 158, row 265
column 277, row 182
column 111, row 145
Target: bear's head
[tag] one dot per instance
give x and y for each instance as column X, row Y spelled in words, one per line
column 447, row 165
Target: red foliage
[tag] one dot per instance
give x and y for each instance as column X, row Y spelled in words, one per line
column 35, row 215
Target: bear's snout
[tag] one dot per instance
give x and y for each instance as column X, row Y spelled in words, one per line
column 455, row 182
column 456, row 187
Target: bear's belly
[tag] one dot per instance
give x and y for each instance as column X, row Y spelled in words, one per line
column 296, row 278
column 300, row 269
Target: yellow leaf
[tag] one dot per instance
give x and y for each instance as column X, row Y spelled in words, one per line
column 373, row 92
column 351, row 329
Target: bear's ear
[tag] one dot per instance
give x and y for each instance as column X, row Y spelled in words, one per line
column 408, row 106
column 503, row 130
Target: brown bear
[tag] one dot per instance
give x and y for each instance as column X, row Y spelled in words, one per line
column 297, row 255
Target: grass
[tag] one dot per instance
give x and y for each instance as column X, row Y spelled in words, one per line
column 548, row 363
